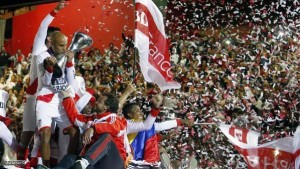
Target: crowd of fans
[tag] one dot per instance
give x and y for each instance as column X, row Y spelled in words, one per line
column 247, row 76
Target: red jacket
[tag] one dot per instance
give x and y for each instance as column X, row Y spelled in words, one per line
column 103, row 123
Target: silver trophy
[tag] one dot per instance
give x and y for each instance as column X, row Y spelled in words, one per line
column 79, row 42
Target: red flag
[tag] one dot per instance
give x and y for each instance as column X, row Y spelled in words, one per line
column 296, row 145
column 151, row 41
column 277, row 154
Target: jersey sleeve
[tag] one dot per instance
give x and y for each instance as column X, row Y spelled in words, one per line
column 74, row 116
column 40, row 37
column 165, row 125
column 70, row 75
column 44, row 73
column 134, row 127
column 83, row 101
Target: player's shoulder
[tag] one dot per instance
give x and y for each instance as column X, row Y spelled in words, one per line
column 44, row 53
column 3, row 92
column 41, row 56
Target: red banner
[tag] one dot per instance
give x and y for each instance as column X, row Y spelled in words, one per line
column 278, row 154
column 151, row 41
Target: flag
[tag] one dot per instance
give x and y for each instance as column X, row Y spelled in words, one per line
column 144, row 145
column 277, row 154
column 161, row 5
column 151, row 42
column 296, row 145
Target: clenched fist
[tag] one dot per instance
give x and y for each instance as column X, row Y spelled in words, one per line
column 157, row 101
column 70, row 55
column 50, row 61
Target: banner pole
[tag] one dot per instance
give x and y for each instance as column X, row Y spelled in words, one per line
column 134, row 49
column 205, row 124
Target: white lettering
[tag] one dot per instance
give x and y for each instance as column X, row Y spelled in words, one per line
column 284, row 164
column 238, row 134
column 169, row 73
column 60, row 87
column 253, row 160
column 141, row 18
column 153, row 51
column 167, row 65
column 160, row 59
column 266, row 164
column 137, row 16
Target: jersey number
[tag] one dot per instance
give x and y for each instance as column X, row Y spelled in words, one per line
column 2, row 105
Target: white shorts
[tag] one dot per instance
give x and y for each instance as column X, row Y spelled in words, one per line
column 7, row 136
column 52, row 110
column 29, row 115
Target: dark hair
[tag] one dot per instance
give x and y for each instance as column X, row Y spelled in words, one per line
column 111, row 102
column 50, row 31
column 127, row 109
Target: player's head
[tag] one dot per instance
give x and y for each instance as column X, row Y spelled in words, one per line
column 106, row 102
column 59, row 43
column 132, row 111
column 50, row 31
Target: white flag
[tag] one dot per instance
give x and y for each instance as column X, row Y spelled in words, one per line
column 277, row 154
column 151, row 41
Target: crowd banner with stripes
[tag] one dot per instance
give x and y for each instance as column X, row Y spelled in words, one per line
column 277, row 154
column 296, row 144
column 151, row 42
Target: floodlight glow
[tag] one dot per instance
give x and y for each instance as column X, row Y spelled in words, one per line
column 276, row 152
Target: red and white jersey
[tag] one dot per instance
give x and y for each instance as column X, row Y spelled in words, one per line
column 135, row 127
column 45, row 85
column 37, row 48
column 102, row 123
column 83, row 101
column 82, row 97
column 166, row 125
column 3, row 100
column 79, row 89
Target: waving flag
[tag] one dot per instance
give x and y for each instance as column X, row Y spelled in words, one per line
column 277, row 154
column 151, row 41
column 144, row 145
column 296, row 144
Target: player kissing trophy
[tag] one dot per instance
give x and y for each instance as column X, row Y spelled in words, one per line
column 79, row 42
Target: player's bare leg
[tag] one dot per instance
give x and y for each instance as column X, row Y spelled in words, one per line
column 45, row 145
column 25, row 140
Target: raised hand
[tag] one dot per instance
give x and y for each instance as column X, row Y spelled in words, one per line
column 70, row 55
column 157, row 101
column 60, row 6
column 51, row 61
column 87, row 136
column 187, row 122
column 130, row 88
